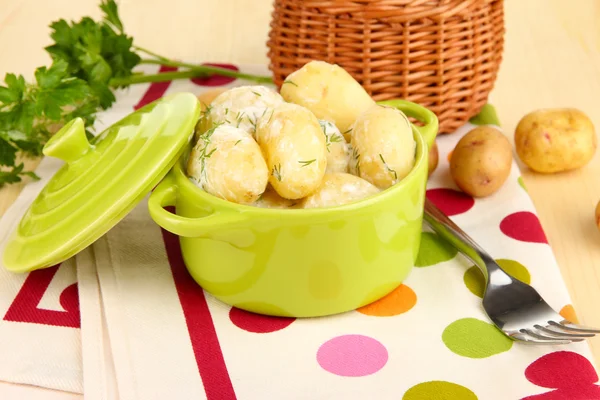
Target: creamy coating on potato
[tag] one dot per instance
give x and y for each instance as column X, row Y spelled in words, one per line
column 383, row 146
column 338, row 150
column 329, row 91
column 241, row 107
column 270, row 199
column 294, row 147
column 228, row 163
column 337, row 189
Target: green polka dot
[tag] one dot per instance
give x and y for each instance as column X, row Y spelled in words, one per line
column 487, row 116
column 473, row 338
column 476, row 283
column 438, row 390
column 520, row 180
column 434, row 250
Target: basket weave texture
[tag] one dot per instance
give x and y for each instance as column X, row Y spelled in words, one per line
column 442, row 54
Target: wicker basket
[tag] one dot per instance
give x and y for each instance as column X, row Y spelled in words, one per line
column 442, row 54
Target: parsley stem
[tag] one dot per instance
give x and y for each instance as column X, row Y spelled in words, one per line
column 162, row 77
column 150, row 53
column 209, row 69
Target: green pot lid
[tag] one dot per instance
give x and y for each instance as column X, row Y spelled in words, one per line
column 101, row 181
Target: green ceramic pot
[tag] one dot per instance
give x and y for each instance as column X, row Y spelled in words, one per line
column 300, row 263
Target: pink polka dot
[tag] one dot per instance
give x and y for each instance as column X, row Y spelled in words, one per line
column 352, row 355
column 258, row 323
column 523, row 226
column 216, row 80
column 450, row 201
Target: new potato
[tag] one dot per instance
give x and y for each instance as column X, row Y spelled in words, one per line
column 555, row 140
column 598, row 215
column 241, row 107
column 433, row 159
column 383, row 146
column 329, row 92
column 294, row 148
column 270, row 199
column 481, row 161
column 338, row 189
column 227, row 163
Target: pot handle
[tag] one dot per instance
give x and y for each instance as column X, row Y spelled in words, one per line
column 430, row 128
column 165, row 194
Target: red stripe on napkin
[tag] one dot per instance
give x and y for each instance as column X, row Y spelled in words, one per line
column 24, row 307
column 155, row 90
column 205, row 343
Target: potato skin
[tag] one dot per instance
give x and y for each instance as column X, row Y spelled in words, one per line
column 329, row 91
column 433, row 159
column 383, row 146
column 555, row 140
column 337, row 189
column 338, row 150
column 227, row 163
column 481, row 161
column 293, row 144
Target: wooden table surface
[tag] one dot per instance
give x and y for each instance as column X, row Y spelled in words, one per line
column 552, row 59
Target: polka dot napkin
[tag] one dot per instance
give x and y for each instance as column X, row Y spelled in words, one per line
column 428, row 339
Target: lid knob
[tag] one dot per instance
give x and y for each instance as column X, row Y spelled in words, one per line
column 69, row 143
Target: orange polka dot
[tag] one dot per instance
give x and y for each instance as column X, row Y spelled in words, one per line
column 568, row 313
column 399, row 301
column 450, row 155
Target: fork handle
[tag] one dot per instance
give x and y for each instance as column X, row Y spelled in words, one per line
column 447, row 229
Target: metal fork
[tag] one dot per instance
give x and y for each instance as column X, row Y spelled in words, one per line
column 516, row 308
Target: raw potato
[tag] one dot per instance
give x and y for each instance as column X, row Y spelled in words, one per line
column 241, row 107
column 270, row 199
column 555, row 140
column 481, row 161
column 383, row 146
column 338, row 189
column 338, row 150
column 227, row 163
column 329, row 92
column 294, row 147
column 434, row 158
column 598, row 215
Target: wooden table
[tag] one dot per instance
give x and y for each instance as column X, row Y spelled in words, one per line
column 552, row 59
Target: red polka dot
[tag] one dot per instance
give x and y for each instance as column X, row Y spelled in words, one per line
column 570, row 373
column 216, row 80
column 69, row 299
column 258, row 323
column 561, row 369
column 523, row 226
column 450, row 201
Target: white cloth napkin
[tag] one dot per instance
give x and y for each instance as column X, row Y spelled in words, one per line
column 39, row 312
column 429, row 339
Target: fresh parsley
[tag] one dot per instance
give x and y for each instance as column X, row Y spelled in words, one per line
column 90, row 59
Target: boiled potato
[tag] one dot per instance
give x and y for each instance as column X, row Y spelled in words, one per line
column 598, row 215
column 227, row 163
column 555, row 140
column 329, row 92
column 433, row 159
column 383, row 146
column 481, row 161
column 270, row 199
column 241, row 107
column 294, row 147
column 338, row 151
column 337, row 189
column 208, row 96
